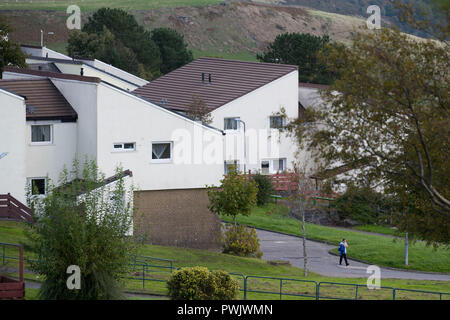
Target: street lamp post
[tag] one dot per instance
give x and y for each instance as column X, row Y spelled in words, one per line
column 245, row 145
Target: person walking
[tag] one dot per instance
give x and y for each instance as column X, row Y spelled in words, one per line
column 343, row 251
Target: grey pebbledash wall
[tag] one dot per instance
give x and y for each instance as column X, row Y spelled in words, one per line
column 177, row 218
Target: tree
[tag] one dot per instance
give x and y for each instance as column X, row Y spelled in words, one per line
column 127, row 30
column 389, row 112
column 103, row 46
column 236, row 195
column 173, row 49
column 199, row 111
column 82, row 222
column 10, row 52
column 301, row 50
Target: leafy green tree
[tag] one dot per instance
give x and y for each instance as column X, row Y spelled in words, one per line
column 103, row 46
column 236, row 195
column 173, row 49
column 10, row 52
column 301, row 50
column 82, row 222
column 388, row 111
column 265, row 188
column 127, row 30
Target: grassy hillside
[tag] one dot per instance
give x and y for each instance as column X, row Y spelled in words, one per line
column 230, row 30
column 92, row 5
column 359, row 8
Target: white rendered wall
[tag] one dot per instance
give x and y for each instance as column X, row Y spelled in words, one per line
column 49, row 159
column 12, row 140
column 82, row 96
column 123, row 117
column 255, row 109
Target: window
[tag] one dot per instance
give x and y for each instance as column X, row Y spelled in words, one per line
column 272, row 166
column 38, row 186
column 230, row 124
column 279, row 165
column 127, row 146
column 265, row 167
column 161, row 151
column 229, row 164
column 41, row 134
column 276, row 122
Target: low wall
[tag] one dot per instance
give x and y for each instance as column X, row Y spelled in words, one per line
column 177, row 218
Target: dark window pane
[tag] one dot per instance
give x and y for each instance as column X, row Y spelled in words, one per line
column 38, row 186
column 161, row 151
column 128, row 145
column 276, row 122
column 40, row 133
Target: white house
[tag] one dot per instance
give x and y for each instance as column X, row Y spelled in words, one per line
column 69, row 115
column 239, row 95
column 42, row 58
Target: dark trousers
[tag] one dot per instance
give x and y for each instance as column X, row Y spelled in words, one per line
column 344, row 255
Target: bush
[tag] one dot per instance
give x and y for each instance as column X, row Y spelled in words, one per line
column 241, row 241
column 198, row 283
column 265, row 189
column 363, row 205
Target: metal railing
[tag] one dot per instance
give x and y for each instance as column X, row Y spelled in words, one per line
column 150, row 269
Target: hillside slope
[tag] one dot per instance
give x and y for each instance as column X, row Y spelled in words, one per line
column 230, row 30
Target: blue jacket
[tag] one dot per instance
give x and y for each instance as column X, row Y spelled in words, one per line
column 342, row 249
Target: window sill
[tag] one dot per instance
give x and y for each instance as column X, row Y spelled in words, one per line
column 161, row 161
column 33, row 144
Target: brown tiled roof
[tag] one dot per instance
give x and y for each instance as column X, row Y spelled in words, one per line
column 42, row 98
column 230, row 79
column 48, row 74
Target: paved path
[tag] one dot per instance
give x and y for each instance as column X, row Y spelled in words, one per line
column 284, row 247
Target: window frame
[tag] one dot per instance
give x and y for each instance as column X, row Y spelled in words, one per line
column 237, row 124
column 283, row 122
column 226, row 163
column 170, row 160
column 122, row 148
column 30, row 184
column 40, row 143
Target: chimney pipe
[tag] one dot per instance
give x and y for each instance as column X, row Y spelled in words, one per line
column 81, row 72
column 209, row 78
column 203, row 77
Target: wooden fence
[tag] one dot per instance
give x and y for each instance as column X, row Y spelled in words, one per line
column 13, row 209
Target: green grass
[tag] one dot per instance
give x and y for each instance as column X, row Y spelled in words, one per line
column 92, row 5
column 380, row 229
column 243, row 55
column 182, row 257
column 373, row 249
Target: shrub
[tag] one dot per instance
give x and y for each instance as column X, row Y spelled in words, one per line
column 265, row 189
column 198, row 283
column 362, row 204
column 241, row 241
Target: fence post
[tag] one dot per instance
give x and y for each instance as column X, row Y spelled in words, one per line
column 393, row 294
column 143, row 277
column 8, row 205
column 3, row 253
column 317, row 291
column 356, row 295
column 245, row 288
column 281, row 289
